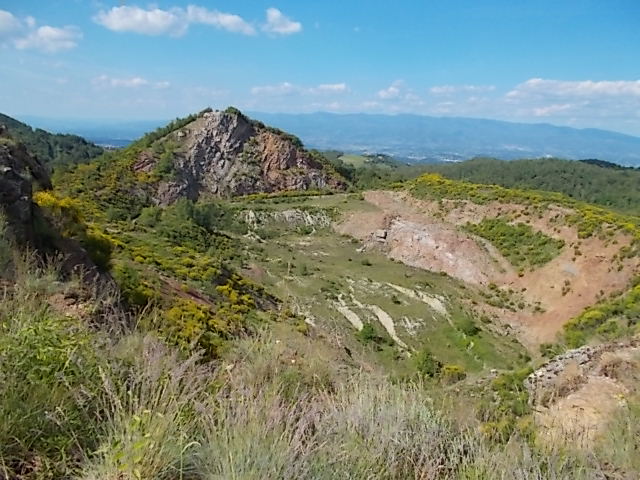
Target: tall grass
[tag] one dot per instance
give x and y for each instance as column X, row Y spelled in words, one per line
column 149, row 404
column 48, row 365
column 78, row 403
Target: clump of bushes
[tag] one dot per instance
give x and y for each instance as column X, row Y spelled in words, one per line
column 370, row 336
column 519, row 243
column 608, row 319
column 426, row 364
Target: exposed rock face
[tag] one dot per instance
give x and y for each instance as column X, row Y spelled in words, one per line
column 422, row 241
column 576, row 394
column 226, row 154
column 294, row 217
column 17, row 172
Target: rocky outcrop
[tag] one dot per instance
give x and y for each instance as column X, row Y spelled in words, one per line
column 26, row 224
column 584, row 361
column 18, row 171
column 225, row 154
column 423, row 241
column 293, row 217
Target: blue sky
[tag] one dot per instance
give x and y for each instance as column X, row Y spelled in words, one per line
column 566, row 62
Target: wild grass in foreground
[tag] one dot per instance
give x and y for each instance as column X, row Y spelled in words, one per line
column 83, row 403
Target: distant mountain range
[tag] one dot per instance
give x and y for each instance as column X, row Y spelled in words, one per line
column 451, row 138
column 415, row 137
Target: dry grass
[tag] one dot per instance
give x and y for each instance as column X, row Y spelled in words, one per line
column 78, row 403
column 149, row 405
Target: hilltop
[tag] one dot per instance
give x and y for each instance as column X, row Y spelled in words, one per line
column 212, row 154
column 51, row 149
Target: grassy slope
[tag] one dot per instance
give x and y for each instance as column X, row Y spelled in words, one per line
column 311, row 269
column 119, row 403
column 152, row 433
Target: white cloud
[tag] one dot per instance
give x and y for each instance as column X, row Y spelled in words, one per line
column 331, row 106
column 9, row 24
column 330, row 88
column 451, row 89
column 393, row 91
column 280, row 89
column 49, row 39
column 23, row 34
column 154, row 21
column 225, row 21
column 287, row 88
column 587, row 102
column 104, row 81
column 173, row 22
column 551, row 109
column 584, row 88
column 278, row 23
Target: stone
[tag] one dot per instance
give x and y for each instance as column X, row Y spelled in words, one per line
column 225, row 154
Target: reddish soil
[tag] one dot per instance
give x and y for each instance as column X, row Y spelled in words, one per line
column 427, row 235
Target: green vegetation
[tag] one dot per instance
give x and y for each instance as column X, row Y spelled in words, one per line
column 611, row 318
column 147, row 140
column 519, row 243
column 427, row 365
column 327, row 256
column 51, row 149
column 507, row 414
column 96, row 403
column 246, row 339
column 589, row 220
column 607, row 320
column 588, row 181
column 366, row 172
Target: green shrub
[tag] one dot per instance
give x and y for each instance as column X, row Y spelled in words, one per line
column 608, row 319
column 49, row 370
column 518, row 242
column 467, row 326
column 369, row 335
column 426, row 364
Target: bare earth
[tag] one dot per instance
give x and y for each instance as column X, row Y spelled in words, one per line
column 423, row 234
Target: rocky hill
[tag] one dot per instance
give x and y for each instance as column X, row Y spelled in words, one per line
column 17, row 171
column 224, row 154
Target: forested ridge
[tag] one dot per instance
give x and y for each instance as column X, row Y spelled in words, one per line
column 53, row 149
column 587, row 181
